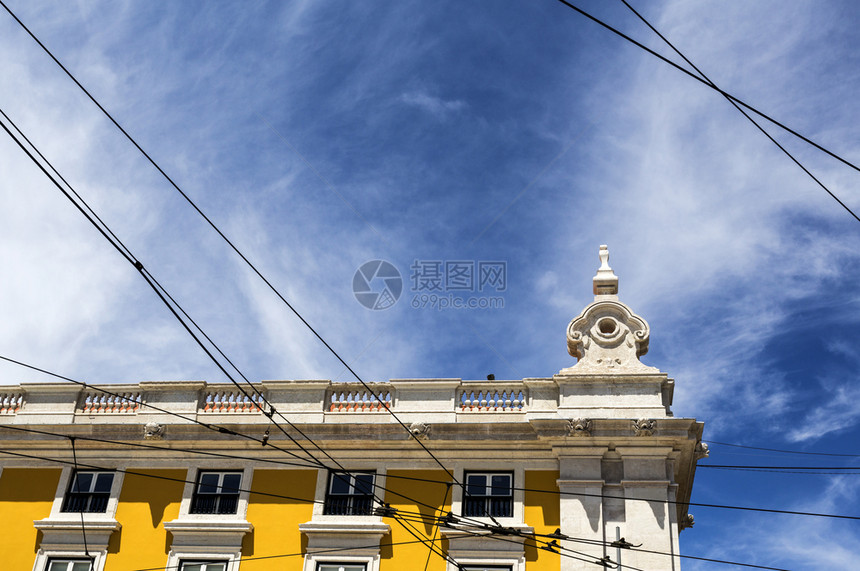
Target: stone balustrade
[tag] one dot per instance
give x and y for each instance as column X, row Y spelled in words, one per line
column 232, row 401
column 315, row 401
column 10, row 402
column 98, row 402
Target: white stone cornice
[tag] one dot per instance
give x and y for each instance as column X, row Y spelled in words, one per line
column 74, row 524
column 226, row 526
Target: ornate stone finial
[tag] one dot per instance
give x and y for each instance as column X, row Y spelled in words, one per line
column 644, row 427
column 702, row 451
column 579, row 427
column 687, row 522
column 153, row 431
column 420, row 430
column 605, row 282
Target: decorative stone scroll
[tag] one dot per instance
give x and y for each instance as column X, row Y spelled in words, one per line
column 420, row 430
column 644, row 427
column 579, row 427
column 153, row 431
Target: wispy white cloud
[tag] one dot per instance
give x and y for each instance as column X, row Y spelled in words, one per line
column 432, row 104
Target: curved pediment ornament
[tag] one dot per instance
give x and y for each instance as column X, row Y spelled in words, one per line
column 607, row 337
column 579, row 427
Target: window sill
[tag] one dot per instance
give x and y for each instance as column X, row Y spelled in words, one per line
column 64, row 532
column 356, row 533
column 224, row 534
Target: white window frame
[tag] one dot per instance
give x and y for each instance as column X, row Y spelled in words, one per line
column 352, row 486
column 312, row 561
column 322, row 489
column 231, row 560
column 488, row 487
column 43, row 557
column 75, row 474
column 203, row 561
column 341, row 564
column 519, row 475
column 63, row 487
column 191, row 484
column 220, row 486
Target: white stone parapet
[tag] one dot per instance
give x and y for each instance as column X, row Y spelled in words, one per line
column 415, row 400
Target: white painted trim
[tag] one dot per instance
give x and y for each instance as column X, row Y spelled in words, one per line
column 233, row 558
column 43, row 556
column 322, row 488
column 460, row 469
column 63, row 486
column 191, row 482
column 371, row 563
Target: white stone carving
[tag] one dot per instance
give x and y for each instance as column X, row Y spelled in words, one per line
column 153, row 431
column 607, row 337
column 579, row 427
column 420, row 430
column 644, row 427
column 702, row 451
column 688, row 522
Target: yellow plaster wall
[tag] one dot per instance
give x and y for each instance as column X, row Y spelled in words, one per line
column 414, row 555
column 541, row 511
column 26, row 494
column 276, row 519
column 144, row 504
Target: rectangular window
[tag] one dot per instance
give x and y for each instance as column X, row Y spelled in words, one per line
column 349, row 494
column 216, row 493
column 488, row 494
column 69, row 565
column 485, row 568
column 341, row 567
column 88, row 492
column 203, row 566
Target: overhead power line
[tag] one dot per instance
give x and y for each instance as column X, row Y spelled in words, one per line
column 731, row 98
column 742, row 112
column 783, row 451
column 176, row 310
column 228, row 241
column 443, row 482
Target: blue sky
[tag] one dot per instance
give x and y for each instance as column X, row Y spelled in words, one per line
column 321, row 135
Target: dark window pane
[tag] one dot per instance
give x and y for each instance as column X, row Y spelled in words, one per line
column 208, row 484
column 476, row 485
column 231, row 483
column 340, row 483
column 364, row 484
column 82, row 483
column 103, row 482
column 501, row 485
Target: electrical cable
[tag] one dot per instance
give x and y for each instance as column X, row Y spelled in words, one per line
column 729, row 97
column 227, row 240
column 284, row 555
column 207, row 425
column 126, row 253
column 742, row 112
column 78, row 490
column 413, row 516
column 163, row 296
column 442, row 482
column 784, row 451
